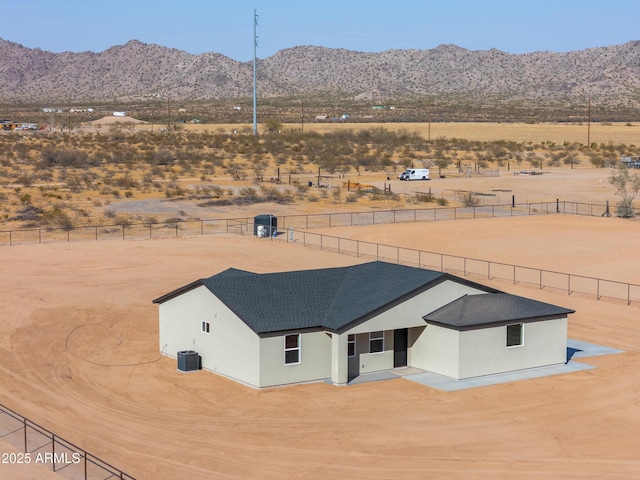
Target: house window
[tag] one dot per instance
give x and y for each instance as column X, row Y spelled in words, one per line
column 351, row 345
column 514, row 335
column 376, row 342
column 291, row 349
column 206, row 327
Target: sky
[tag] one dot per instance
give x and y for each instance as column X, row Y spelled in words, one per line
column 227, row 27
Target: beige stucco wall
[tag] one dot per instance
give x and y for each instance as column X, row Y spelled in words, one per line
column 405, row 315
column 234, row 350
column 435, row 349
column 484, row 351
column 374, row 362
column 315, row 359
column 409, row 313
column 231, row 348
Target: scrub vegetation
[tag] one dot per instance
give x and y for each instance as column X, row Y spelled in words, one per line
column 59, row 179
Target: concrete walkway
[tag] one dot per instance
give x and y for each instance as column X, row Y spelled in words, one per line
column 576, row 349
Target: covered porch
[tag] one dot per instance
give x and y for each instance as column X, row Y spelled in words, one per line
column 354, row 355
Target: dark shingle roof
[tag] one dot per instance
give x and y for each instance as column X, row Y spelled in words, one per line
column 334, row 298
column 328, row 298
column 484, row 309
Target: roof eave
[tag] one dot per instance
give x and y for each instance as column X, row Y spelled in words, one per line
column 178, row 291
column 383, row 308
column 499, row 323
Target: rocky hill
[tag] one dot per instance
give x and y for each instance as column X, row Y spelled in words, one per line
column 137, row 71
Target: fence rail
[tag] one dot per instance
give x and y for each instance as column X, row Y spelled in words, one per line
column 295, row 228
column 41, row 446
column 244, row 226
column 568, row 283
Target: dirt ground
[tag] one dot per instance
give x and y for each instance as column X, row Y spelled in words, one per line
column 587, row 185
column 79, row 355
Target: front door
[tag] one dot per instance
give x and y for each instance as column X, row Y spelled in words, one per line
column 400, row 348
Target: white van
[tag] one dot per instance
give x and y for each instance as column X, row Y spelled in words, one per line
column 415, row 174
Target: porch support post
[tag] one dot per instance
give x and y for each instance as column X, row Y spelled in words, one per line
column 339, row 361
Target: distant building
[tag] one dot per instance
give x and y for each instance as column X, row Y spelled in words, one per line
column 119, row 114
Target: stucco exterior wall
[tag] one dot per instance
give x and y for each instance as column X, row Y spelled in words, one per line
column 405, row 315
column 231, row 348
column 315, row 359
column 374, row 362
column 435, row 349
column 484, row 351
column 409, row 313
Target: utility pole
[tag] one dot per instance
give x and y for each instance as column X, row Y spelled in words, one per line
column 302, row 116
column 428, row 121
column 589, row 124
column 255, row 45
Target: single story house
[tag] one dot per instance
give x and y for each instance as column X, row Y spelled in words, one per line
column 283, row 328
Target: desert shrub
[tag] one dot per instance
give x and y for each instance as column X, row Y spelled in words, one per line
column 248, row 195
column 468, row 199
column 74, row 183
column 66, row 158
column 57, row 217
column 272, row 194
column 174, row 190
column 239, row 174
column 122, row 220
column 116, row 134
column 25, row 179
column 626, row 186
column 65, row 222
column 25, row 198
column 624, row 209
column 571, row 159
column 125, row 181
column 28, row 213
column 423, row 198
column 163, row 157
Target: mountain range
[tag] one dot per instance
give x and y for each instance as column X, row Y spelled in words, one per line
column 137, row 71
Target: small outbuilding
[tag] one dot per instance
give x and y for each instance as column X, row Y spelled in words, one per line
column 284, row 328
column 265, row 225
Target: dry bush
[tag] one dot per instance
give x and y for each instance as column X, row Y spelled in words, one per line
column 134, row 163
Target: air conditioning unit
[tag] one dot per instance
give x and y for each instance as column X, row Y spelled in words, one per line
column 189, row 361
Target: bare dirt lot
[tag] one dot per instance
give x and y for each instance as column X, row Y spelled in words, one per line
column 79, row 355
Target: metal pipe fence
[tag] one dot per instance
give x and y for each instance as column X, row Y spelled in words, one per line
column 563, row 282
column 571, row 283
column 244, row 226
column 41, row 446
